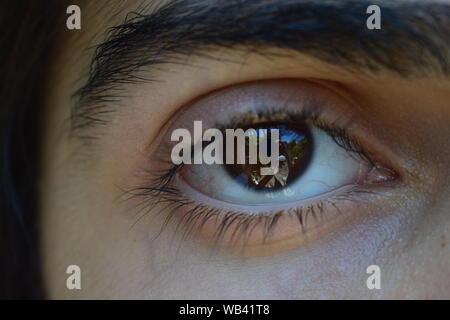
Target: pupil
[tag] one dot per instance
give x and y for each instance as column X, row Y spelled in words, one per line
column 295, row 149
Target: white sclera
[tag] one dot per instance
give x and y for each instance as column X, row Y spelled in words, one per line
column 330, row 168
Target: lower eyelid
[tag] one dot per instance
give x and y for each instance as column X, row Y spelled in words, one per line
column 199, row 197
column 251, row 235
column 241, row 231
column 259, row 235
column 253, row 230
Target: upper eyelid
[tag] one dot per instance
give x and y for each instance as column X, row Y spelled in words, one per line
column 115, row 61
column 348, row 113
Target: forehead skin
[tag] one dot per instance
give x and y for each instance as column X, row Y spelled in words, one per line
column 80, row 223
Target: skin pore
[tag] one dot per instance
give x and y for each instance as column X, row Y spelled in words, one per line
column 403, row 228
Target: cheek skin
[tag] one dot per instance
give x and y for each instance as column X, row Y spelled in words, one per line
column 120, row 262
column 334, row 266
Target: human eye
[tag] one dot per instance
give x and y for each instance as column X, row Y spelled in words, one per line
column 328, row 168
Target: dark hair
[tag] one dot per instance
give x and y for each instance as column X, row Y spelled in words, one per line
column 29, row 34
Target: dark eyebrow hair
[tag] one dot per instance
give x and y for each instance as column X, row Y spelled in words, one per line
column 413, row 40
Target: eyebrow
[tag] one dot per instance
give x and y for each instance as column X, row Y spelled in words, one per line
column 412, row 41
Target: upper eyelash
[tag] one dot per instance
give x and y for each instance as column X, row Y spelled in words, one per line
column 338, row 133
column 159, row 188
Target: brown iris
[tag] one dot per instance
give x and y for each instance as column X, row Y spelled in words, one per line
column 295, row 149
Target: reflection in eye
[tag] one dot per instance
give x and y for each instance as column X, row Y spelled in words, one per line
column 295, row 148
column 324, row 167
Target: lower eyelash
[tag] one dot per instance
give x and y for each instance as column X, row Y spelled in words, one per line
column 240, row 224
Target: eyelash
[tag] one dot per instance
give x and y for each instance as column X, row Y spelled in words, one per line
column 159, row 188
